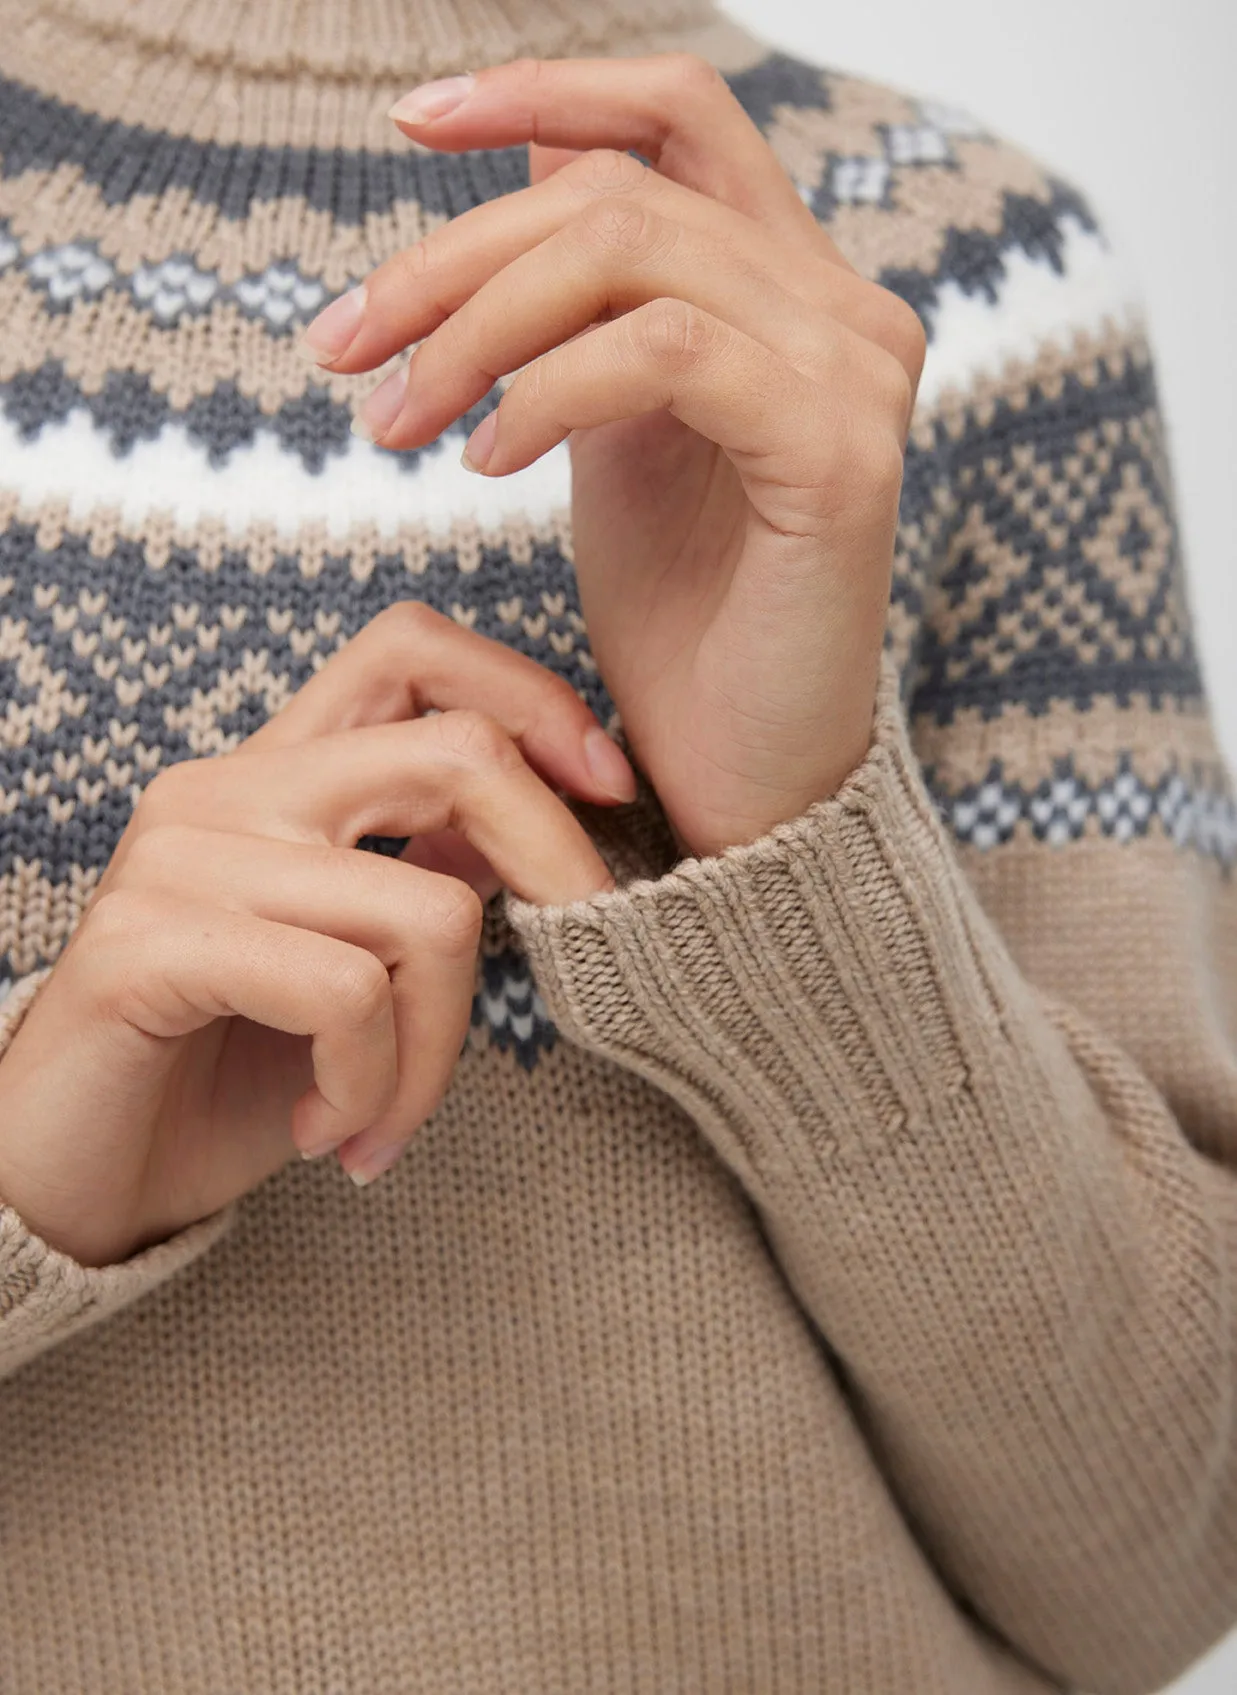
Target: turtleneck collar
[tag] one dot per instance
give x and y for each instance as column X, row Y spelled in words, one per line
column 315, row 74
column 370, row 39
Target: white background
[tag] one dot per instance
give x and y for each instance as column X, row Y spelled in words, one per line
column 1132, row 101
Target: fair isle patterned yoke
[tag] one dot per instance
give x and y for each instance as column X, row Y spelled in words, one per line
column 818, row 1275
column 188, row 529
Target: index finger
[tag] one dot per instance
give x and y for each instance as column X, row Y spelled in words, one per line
column 674, row 109
column 457, row 771
column 411, row 658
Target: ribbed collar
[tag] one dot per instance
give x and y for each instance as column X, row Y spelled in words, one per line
column 381, row 39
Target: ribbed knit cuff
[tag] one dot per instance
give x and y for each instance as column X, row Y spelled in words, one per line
column 819, row 976
column 45, row 1296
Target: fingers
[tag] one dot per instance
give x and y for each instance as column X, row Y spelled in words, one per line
column 602, row 234
column 167, row 966
column 675, row 110
column 410, row 294
column 420, row 928
column 411, row 658
column 801, row 454
column 615, row 255
column 457, row 770
column 598, row 195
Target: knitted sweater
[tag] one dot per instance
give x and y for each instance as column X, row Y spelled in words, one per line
column 821, row 1274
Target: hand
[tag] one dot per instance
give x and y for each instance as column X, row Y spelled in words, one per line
column 737, row 398
column 246, row 983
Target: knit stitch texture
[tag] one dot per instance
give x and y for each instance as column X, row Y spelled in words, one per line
column 822, row 1272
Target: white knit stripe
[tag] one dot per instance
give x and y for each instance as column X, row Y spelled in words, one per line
column 974, row 337
column 171, row 475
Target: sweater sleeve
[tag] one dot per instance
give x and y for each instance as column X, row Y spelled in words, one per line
column 46, row 1296
column 981, row 1086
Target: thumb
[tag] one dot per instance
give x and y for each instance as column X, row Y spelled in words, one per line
column 544, row 161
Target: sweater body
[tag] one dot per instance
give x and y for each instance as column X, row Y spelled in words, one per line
column 759, row 1309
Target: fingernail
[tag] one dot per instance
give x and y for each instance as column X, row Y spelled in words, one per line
column 432, row 100
column 375, row 1165
column 324, row 1149
column 334, row 327
column 382, row 408
column 479, row 448
column 609, row 765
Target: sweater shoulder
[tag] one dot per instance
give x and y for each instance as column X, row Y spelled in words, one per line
column 861, row 150
column 947, row 212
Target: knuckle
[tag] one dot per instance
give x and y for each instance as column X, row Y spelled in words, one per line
column 904, row 336
column 405, row 621
column 556, row 703
column 168, row 792
column 621, row 228
column 857, row 465
column 532, row 390
column 897, row 392
column 361, row 988
column 677, row 334
column 879, row 462
column 154, row 850
column 474, row 738
column 528, row 69
column 607, row 171
column 454, row 916
column 417, row 261
column 691, row 74
column 119, row 914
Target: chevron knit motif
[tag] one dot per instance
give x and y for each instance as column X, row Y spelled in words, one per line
column 820, row 1274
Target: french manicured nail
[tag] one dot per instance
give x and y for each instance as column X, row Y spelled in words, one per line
column 375, row 1165
column 432, row 100
column 334, row 327
column 382, row 408
column 479, row 448
column 321, row 1153
column 609, row 765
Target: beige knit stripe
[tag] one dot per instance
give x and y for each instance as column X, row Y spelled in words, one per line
column 149, row 228
column 1042, row 899
column 199, row 100
column 172, row 94
column 38, row 916
column 355, row 38
column 183, row 361
column 312, row 544
column 1159, row 738
column 1089, row 358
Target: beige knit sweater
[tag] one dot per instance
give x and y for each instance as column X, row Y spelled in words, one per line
column 822, row 1273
